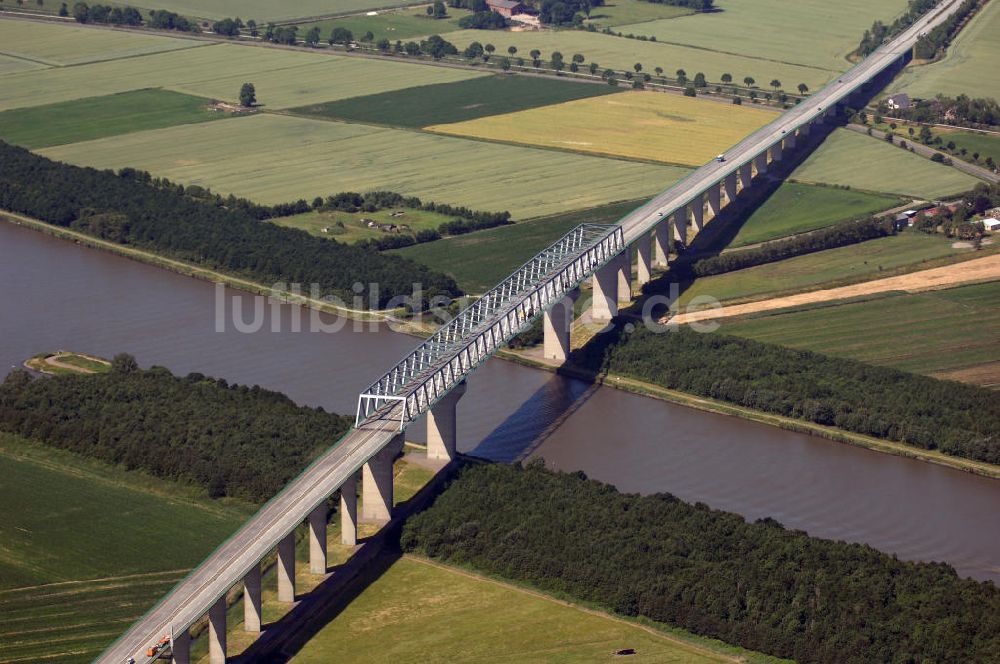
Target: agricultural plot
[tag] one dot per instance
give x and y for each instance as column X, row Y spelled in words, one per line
column 352, row 227
column 868, row 260
column 283, row 78
column 619, row 12
column 97, row 117
column 620, row 53
column 812, row 33
column 861, row 162
column 264, row 10
column 919, row 332
column 80, row 563
column 796, row 208
column 401, row 24
column 970, row 66
column 10, row 65
column 639, row 125
column 293, row 158
column 478, row 261
column 987, row 145
column 454, row 102
column 487, row 621
column 59, row 45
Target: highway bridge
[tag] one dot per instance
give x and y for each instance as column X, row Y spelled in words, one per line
column 430, row 380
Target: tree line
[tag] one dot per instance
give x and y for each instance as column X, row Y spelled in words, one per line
column 131, row 208
column 231, row 440
column 756, row 585
column 838, row 235
column 125, row 15
column 879, row 32
column 960, row 111
column 934, row 42
column 926, row 413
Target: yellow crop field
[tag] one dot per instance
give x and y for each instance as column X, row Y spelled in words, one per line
column 640, row 125
column 60, row 45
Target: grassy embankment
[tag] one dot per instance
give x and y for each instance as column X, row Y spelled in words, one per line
column 926, row 333
column 90, row 548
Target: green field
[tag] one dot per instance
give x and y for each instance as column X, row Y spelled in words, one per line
column 283, row 78
column 796, row 208
column 396, row 25
column 479, row 260
column 440, row 614
column 867, row 260
column 11, row 65
column 98, row 117
column 59, row 44
column 454, row 102
column 293, row 158
column 987, row 145
column 813, row 33
column 351, row 227
column 620, row 12
column 621, row 53
column 89, row 548
column 919, row 332
column 970, row 66
column 861, row 162
column 265, row 10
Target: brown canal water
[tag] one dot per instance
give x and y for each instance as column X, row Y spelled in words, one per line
column 58, row 295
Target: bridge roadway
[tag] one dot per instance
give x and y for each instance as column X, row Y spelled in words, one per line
column 190, row 599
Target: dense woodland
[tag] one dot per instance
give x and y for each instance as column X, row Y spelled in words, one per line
column 232, row 440
column 838, row 235
column 962, row 420
column 132, row 208
column 757, row 585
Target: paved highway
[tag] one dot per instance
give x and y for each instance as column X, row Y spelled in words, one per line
column 191, row 598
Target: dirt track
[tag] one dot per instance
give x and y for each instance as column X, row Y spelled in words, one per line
column 978, row 269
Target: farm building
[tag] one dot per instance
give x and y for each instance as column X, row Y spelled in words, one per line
column 992, row 225
column 506, row 8
column 899, row 102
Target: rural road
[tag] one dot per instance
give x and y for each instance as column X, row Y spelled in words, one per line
column 977, row 269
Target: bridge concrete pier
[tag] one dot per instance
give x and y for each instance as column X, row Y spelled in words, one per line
column 605, row 282
column 625, row 275
column 760, row 161
column 661, row 238
column 180, row 649
column 376, row 483
column 252, row 616
column 714, row 200
column 746, row 175
column 776, row 152
column 349, row 511
column 317, row 539
column 644, row 260
column 681, row 225
column 698, row 211
column 442, row 419
column 217, row 632
column 557, row 324
column 729, row 184
column 286, row 568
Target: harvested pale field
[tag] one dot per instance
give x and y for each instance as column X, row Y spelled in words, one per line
column 640, row 125
column 971, row 271
column 58, row 44
column 621, row 53
column 290, row 158
column 971, row 66
column 283, row 78
column 861, row 162
column 815, row 33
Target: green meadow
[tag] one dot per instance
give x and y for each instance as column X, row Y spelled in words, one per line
column 478, row 261
column 919, row 332
column 291, row 158
column 283, row 78
column 454, row 102
column 796, row 208
column 90, row 548
column 58, row 45
column 858, row 262
column 813, row 33
column 352, row 226
column 98, row 117
column 399, row 24
column 969, row 67
column 619, row 12
column 264, row 10
column 862, row 162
